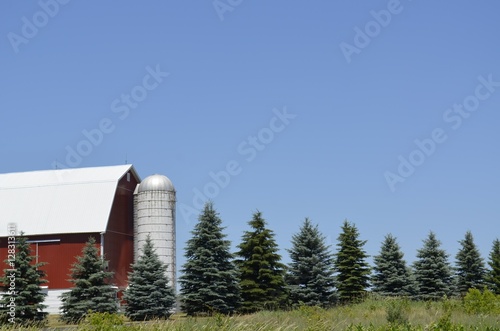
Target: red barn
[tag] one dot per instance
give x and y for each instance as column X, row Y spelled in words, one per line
column 58, row 210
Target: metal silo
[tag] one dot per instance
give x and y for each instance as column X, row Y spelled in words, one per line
column 154, row 214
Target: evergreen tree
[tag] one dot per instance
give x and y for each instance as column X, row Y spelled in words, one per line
column 391, row 275
column 433, row 271
column 23, row 282
column 148, row 296
column 353, row 272
column 261, row 271
column 494, row 263
column 209, row 283
column 91, row 290
column 310, row 274
column 470, row 270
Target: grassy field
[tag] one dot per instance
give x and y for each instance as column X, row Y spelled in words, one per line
column 369, row 315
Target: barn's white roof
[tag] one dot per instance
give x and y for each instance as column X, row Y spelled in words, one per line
column 59, row 201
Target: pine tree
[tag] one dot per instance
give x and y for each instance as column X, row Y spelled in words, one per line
column 470, row 270
column 433, row 271
column 353, row 272
column 209, row 283
column 310, row 274
column 148, row 296
column 261, row 271
column 391, row 275
column 91, row 291
column 494, row 263
column 23, row 282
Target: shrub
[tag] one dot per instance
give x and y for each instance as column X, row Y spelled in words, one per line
column 477, row 302
column 397, row 311
column 101, row 321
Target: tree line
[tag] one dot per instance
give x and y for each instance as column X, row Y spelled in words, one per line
column 214, row 280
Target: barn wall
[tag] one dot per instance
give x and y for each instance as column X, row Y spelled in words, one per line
column 59, row 256
column 119, row 236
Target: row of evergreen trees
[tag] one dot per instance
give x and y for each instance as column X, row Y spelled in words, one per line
column 432, row 276
column 148, row 295
column 252, row 279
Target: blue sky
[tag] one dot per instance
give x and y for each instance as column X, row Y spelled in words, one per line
column 334, row 94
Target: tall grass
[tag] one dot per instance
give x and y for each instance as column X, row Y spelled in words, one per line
column 374, row 314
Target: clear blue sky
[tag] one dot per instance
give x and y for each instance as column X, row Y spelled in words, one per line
column 359, row 100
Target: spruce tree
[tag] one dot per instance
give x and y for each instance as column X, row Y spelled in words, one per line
column 353, row 272
column 209, row 283
column 148, row 295
column 261, row 271
column 310, row 274
column 433, row 271
column 494, row 263
column 91, row 291
column 470, row 268
column 391, row 275
column 23, row 280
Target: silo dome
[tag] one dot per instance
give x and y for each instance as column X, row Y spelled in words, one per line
column 156, row 183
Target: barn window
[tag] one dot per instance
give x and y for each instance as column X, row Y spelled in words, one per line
column 128, row 176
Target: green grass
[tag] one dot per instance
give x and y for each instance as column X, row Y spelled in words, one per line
column 369, row 315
